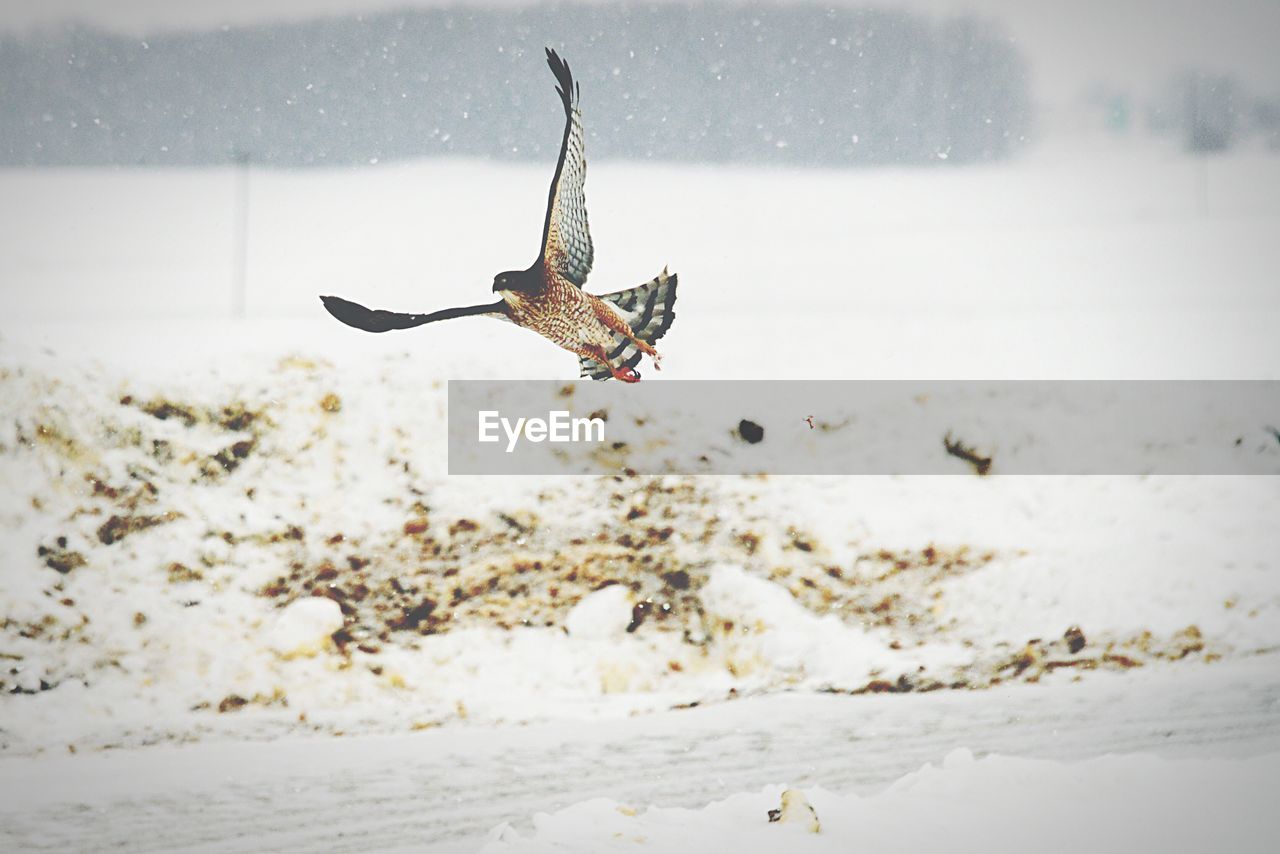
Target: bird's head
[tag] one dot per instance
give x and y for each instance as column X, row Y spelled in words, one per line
column 514, row 280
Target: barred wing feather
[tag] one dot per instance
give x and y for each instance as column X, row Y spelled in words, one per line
column 566, row 237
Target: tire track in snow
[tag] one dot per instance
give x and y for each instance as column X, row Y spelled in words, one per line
column 444, row 789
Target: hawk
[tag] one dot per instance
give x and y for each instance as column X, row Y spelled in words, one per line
column 609, row 333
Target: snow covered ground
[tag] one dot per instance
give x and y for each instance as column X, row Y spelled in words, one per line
column 994, row 804
column 444, row 789
column 239, row 589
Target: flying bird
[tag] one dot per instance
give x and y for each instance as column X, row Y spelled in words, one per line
column 610, row 332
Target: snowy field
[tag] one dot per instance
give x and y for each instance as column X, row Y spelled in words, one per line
column 243, row 606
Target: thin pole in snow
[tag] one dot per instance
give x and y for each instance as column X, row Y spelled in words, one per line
column 1202, row 185
column 240, row 238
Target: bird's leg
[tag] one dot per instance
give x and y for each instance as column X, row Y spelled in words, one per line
column 620, row 326
column 598, row 354
column 627, row 375
column 648, row 349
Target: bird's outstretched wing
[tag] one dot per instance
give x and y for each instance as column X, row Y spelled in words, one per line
column 566, row 238
column 378, row 320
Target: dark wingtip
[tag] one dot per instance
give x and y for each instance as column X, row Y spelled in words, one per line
column 564, row 77
column 355, row 315
column 336, row 306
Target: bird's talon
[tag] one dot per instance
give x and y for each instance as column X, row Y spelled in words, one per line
column 627, row 375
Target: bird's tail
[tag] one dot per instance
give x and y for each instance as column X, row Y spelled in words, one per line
column 649, row 310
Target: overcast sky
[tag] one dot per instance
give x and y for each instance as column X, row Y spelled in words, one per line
column 1071, row 43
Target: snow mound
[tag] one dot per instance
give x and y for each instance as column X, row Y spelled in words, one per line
column 768, row 633
column 994, row 804
column 601, row 615
column 160, row 531
column 305, row 627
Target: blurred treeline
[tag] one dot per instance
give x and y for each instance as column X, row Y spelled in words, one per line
column 708, row 82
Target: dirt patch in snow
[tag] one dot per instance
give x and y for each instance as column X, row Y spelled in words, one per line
column 136, row 506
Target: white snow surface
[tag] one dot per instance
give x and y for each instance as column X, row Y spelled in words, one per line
column 444, row 789
column 993, row 804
